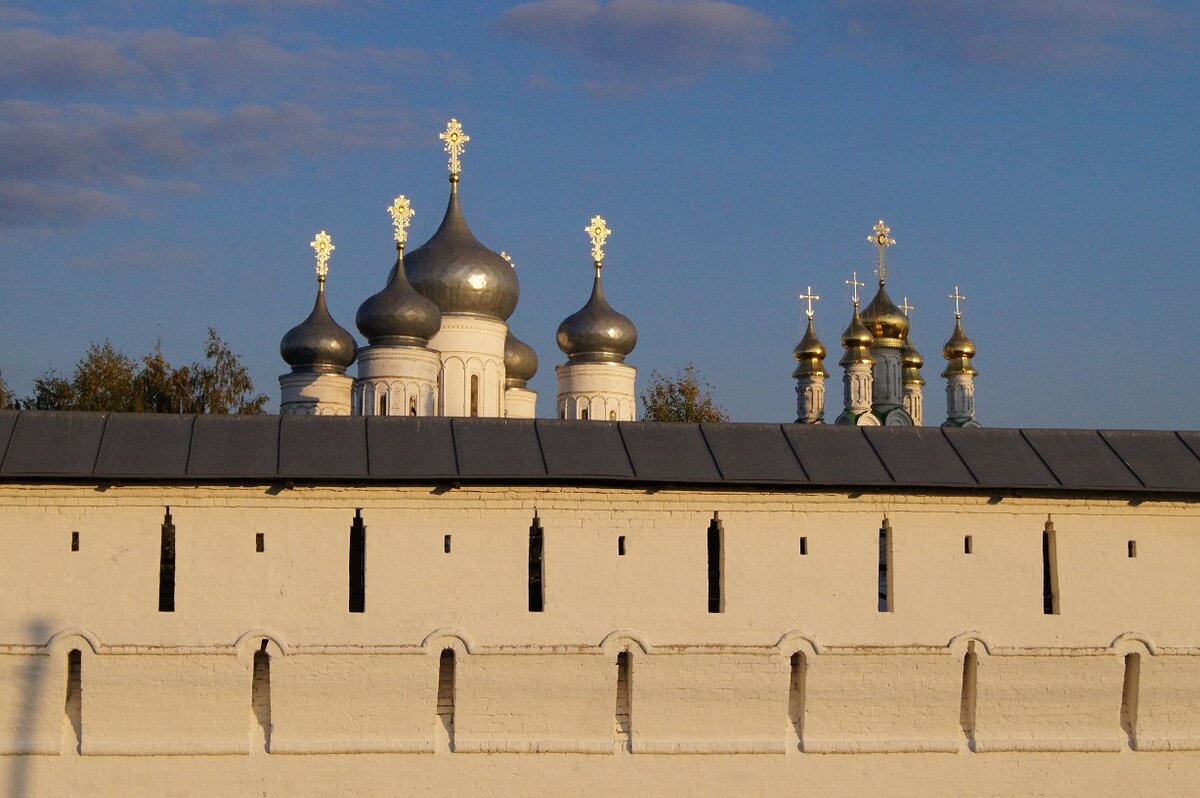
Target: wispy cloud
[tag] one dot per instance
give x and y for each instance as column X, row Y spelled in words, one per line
column 1022, row 36
column 626, row 46
column 67, row 164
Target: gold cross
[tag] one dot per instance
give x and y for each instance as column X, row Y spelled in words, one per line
column 907, row 308
column 957, row 297
column 508, row 259
column 402, row 213
column 322, row 245
column 809, row 297
column 456, row 142
column 598, row 231
column 881, row 237
column 855, row 284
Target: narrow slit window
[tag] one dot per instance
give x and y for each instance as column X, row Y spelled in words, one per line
column 796, row 689
column 1050, row 605
column 621, row 545
column 1132, row 549
column 74, row 705
column 968, row 545
column 966, row 711
column 74, row 541
column 583, row 414
column 612, row 415
column 1129, row 697
column 474, row 394
column 537, row 596
column 803, row 546
column 260, row 542
column 446, row 544
column 358, row 564
column 383, row 404
column 412, row 405
column 166, row 565
column 445, row 692
column 716, row 597
column 624, row 709
column 885, row 567
column 260, row 694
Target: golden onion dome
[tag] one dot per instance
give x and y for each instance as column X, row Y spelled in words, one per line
column 856, row 340
column 912, row 362
column 811, row 354
column 958, row 352
column 885, row 320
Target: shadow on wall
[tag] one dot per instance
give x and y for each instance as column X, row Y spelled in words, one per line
column 24, row 725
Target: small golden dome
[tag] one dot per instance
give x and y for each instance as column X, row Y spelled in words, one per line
column 958, row 352
column 856, row 340
column 811, row 354
column 912, row 362
column 885, row 320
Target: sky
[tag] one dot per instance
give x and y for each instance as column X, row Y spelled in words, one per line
column 164, row 166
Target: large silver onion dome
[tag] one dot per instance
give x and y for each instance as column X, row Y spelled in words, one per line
column 398, row 315
column 318, row 344
column 459, row 274
column 520, row 362
column 596, row 332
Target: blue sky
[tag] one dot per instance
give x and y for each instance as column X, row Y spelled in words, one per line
column 163, row 167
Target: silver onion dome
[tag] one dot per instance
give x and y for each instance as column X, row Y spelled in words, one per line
column 520, row 362
column 459, row 274
column 318, row 344
column 398, row 315
column 596, row 332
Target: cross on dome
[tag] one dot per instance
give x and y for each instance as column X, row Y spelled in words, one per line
column 881, row 236
column 855, row 284
column 809, row 297
column 907, row 308
column 402, row 212
column 322, row 244
column 508, row 259
column 598, row 231
column 957, row 297
column 456, row 142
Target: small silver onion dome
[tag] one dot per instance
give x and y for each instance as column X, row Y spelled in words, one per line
column 318, row 344
column 596, row 332
column 398, row 315
column 520, row 362
column 459, row 274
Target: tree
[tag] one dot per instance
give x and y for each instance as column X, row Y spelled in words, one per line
column 103, row 380
column 224, row 386
column 51, row 391
column 682, row 397
column 6, row 395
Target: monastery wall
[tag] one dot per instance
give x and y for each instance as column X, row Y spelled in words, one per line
column 262, row 679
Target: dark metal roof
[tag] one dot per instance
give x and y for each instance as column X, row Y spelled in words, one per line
column 99, row 447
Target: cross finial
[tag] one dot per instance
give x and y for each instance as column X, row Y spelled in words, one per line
column 957, row 297
column 855, row 284
column 456, row 142
column 322, row 245
column 907, row 308
column 598, row 231
column 402, row 213
column 508, row 259
column 881, row 236
column 809, row 297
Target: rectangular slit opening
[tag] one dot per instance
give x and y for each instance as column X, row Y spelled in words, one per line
column 260, row 542
column 74, row 705
column 1049, row 571
column 1129, row 697
column 620, row 545
column 1132, row 549
column 885, row 567
column 166, row 565
column 968, row 545
column 966, row 711
column 260, row 695
column 358, row 564
column 74, row 541
column 537, row 598
column 796, row 687
column 446, row 544
column 803, row 546
column 716, row 597
column 445, row 694
column 624, row 713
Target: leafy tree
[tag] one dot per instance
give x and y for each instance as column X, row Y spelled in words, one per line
column 224, row 385
column 103, row 380
column 160, row 388
column 51, row 391
column 681, row 397
column 6, row 395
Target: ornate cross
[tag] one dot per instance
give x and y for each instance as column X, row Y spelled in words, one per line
column 881, row 236
column 598, row 231
column 508, row 259
column 957, row 297
column 456, row 142
column 907, row 308
column 855, row 284
column 809, row 297
column 402, row 213
column 322, row 245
